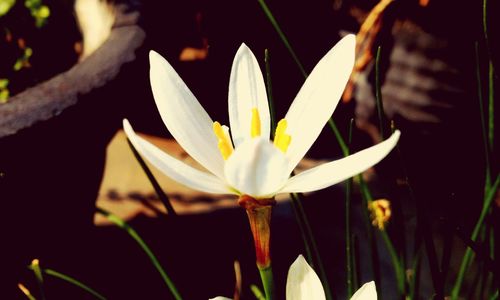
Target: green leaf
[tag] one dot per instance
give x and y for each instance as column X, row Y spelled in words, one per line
column 132, row 233
column 70, row 280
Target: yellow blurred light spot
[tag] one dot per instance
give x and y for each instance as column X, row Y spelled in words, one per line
column 25, row 291
column 380, row 211
column 43, row 12
column 224, row 141
column 281, row 139
column 255, row 127
column 4, row 82
column 4, row 95
column 423, row 3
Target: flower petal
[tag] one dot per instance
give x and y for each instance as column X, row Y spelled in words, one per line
column 318, row 97
column 183, row 115
column 367, row 292
column 174, row 168
column 220, row 298
column 328, row 174
column 302, row 283
column 246, row 92
column 256, row 168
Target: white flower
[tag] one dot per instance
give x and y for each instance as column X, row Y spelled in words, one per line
column 242, row 160
column 303, row 284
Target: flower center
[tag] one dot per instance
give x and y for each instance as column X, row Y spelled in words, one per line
column 281, row 139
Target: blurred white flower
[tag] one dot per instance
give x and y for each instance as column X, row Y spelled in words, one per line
column 95, row 19
column 303, row 284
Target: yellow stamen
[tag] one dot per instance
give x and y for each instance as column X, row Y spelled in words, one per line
column 255, row 129
column 224, row 142
column 281, row 139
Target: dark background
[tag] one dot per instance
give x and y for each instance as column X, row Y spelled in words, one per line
column 52, row 171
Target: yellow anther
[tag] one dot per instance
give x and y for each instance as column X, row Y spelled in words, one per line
column 281, row 139
column 224, row 142
column 380, row 211
column 255, row 129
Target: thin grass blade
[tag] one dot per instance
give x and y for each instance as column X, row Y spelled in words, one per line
column 131, row 231
column 159, row 191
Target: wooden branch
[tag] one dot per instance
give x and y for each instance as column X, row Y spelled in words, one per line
column 52, row 97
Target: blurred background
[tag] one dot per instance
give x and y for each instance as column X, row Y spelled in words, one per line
column 56, row 168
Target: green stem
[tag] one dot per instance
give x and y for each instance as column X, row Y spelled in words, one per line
column 37, row 270
column 366, row 197
column 491, row 105
column 365, row 191
column 485, row 20
column 494, row 296
column 378, row 94
column 338, row 136
column 269, row 88
column 455, row 292
column 257, row 292
column 491, row 75
column 159, row 191
column 322, row 274
column 400, row 273
column 266, row 275
column 355, row 259
column 491, row 239
column 283, row 37
column 303, row 234
column 348, row 249
column 127, row 228
column 483, row 123
column 72, row 281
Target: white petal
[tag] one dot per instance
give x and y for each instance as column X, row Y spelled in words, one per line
column 302, row 283
column 246, row 91
column 318, row 98
column 367, row 292
column 220, row 298
column 177, row 170
column 183, row 115
column 256, row 168
column 328, row 174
